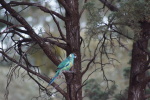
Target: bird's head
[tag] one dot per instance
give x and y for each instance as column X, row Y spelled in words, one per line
column 73, row 55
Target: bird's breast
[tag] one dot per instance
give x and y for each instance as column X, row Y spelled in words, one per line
column 71, row 64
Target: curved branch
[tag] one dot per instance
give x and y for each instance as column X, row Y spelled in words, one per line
column 61, row 45
column 109, row 5
column 58, row 26
column 34, row 73
column 52, row 13
column 82, row 10
column 39, row 6
column 88, row 65
column 62, row 2
column 13, row 26
column 31, row 32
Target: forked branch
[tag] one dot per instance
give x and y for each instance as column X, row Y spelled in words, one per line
column 34, row 73
column 31, row 32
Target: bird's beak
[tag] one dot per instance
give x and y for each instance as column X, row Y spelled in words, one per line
column 75, row 56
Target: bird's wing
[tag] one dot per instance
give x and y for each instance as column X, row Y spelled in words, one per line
column 63, row 64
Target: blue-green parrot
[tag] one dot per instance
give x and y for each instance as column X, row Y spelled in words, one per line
column 65, row 65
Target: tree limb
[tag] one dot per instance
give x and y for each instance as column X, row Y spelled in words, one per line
column 88, row 65
column 109, row 5
column 52, row 13
column 62, row 2
column 11, row 24
column 61, row 45
column 31, row 32
column 34, row 73
column 39, row 6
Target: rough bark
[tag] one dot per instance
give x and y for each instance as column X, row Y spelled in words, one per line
column 139, row 65
column 73, row 42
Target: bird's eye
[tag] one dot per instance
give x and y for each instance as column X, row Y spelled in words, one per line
column 70, row 55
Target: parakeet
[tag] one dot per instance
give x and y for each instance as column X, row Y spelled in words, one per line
column 65, row 65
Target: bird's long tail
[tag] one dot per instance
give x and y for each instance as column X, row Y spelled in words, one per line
column 53, row 79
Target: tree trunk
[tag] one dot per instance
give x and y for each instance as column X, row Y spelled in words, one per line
column 138, row 64
column 72, row 24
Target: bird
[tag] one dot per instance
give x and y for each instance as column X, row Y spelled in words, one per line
column 65, row 65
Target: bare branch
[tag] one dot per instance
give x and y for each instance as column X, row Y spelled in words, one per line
column 82, row 10
column 58, row 26
column 34, row 73
column 13, row 26
column 122, row 34
column 39, row 6
column 64, row 4
column 88, row 65
column 61, row 45
column 31, row 32
column 109, row 5
column 52, row 13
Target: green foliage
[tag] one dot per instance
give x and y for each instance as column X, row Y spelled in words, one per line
column 94, row 18
column 148, row 91
column 126, row 72
column 93, row 13
column 131, row 12
column 94, row 92
column 126, row 20
column 121, row 96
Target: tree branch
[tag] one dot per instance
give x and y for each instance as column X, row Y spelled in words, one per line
column 58, row 26
column 88, row 65
column 31, row 32
column 11, row 24
column 39, row 6
column 109, row 5
column 52, row 13
column 82, row 10
column 61, row 45
column 62, row 2
column 34, row 73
